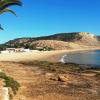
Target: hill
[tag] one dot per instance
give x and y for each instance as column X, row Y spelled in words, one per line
column 57, row 41
column 68, row 37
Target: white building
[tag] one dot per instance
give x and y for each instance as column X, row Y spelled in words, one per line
column 14, row 49
column 11, row 50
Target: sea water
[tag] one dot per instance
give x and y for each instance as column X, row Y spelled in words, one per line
column 86, row 57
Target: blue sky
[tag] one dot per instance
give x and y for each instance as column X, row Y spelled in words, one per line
column 45, row 17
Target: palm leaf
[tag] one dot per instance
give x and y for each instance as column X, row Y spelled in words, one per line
column 6, row 3
column 7, row 10
column 1, row 28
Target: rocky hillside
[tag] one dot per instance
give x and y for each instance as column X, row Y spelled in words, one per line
column 54, row 44
column 59, row 41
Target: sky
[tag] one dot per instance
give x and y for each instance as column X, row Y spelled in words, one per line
column 45, row 17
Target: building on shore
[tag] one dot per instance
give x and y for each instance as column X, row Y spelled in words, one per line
column 15, row 50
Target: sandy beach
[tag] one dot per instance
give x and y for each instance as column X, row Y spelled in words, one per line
column 52, row 56
column 39, row 80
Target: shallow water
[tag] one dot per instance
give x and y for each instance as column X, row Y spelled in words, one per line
column 88, row 58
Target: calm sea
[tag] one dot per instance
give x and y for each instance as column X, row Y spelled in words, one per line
column 88, row 58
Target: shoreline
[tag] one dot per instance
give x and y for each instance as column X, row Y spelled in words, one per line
column 57, row 57
column 52, row 56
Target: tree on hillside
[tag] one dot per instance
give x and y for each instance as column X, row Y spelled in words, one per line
column 4, row 4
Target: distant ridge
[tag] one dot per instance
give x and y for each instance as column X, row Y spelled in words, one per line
column 60, row 40
column 68, row 37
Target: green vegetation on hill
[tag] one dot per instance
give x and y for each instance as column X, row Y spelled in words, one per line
column 26, row 46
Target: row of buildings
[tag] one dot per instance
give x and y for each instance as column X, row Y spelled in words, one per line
column 15, row 50
column 11, row 50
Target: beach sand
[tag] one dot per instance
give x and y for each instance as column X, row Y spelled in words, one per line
column 52, row 56
column 37, row 83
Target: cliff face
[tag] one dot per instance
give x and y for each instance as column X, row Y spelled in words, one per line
column 86, row 39
column 60, row 41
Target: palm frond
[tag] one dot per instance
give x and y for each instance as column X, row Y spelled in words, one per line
column 1, row 28
column 6, row 3
column 7, row 10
